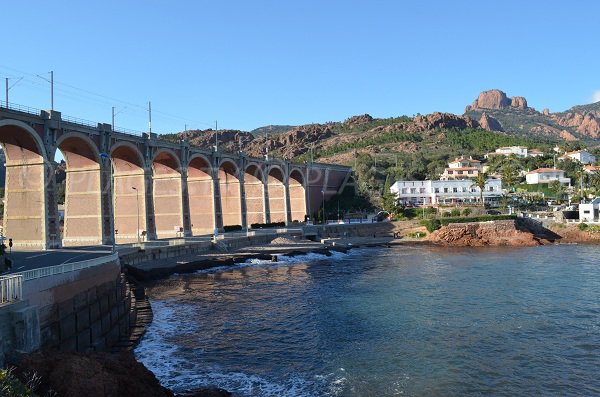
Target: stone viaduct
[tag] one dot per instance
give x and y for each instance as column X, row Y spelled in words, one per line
column 158, row 189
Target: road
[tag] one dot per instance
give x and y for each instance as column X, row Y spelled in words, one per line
column 28, row 260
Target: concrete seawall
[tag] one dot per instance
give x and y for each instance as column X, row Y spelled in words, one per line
column 82, row 310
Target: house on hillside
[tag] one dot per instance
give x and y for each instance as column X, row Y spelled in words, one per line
column 583, row 156
column 591, row 169
column 445, row 192
column 461, row 168
column 589, row 212
column 535, row 153
column 546, row 175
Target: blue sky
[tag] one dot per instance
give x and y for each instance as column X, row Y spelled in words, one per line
column 254, row 63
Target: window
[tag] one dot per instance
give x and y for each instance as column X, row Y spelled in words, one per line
column 422, row 190
column 470, row 172
column 437, row 190
column 450, row 172
column 460, row 172
column 404, row 190
column 473, row 190
column 586, row 211
column 464, row 189
column 445, row 190
column 455, row 190
column 413, row 190
column 491, row 189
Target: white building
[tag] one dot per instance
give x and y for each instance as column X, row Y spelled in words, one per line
column 590, row 212
column 546, row 175
column 445, row 192
column 461, row 168
column 583, row 156
column 519, row 151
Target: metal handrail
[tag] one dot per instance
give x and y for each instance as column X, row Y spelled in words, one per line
column 127, row 131
column 11, row 288
column 76, row 120
column 20, row 108
column 66, row 267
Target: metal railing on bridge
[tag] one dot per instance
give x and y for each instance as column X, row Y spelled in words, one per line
column 69, row 119
column 67, row 267
column 20, row 108
column 11, row 288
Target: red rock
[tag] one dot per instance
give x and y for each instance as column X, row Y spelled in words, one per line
column 492, row 99
column 489, row 123
column 518, row 102
column 444, row 120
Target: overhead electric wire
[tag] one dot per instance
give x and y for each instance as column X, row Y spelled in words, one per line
column 92, row 97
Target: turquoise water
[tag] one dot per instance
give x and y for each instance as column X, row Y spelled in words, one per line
column 411, row 321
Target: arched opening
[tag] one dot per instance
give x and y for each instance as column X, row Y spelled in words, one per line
column 166, row 177
column 276, row 195
column 82, row 188
column 201, row 196
column 254, row 189
column 28, row 217
column 129, row 199
column 229, row 189
column 297, row 196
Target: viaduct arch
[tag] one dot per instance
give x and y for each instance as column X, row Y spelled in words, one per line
column 158, row 189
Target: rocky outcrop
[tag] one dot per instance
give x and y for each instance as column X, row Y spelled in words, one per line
column 444, row 120
column 518, row 102
column 589, row 126
column 546, row 112
column 229, row 140
column 96, row 375
column 292, row 143
column 489, row 123
column 567, row 136
column 496, row 99
column 358, row 120
column 518, row 232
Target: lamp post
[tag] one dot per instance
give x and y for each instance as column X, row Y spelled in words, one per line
column 323, row 199
column 137, row 200
column 112, row 194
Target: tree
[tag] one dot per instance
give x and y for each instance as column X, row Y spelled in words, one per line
column 480, row 181
column 389, row 199
column 510, row 177
column 558, row 189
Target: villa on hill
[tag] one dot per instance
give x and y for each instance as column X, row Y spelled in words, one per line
column 461, row 168
column 546, row 175
column 583, row 156
column 517, row 151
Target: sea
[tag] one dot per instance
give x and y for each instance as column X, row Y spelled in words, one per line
column 401, row 321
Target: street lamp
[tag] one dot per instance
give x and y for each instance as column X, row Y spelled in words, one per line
column 137, row 200
column 323, row 196
column 112, row 193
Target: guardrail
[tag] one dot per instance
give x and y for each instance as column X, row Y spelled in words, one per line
column 11, row 288
column 20, row 108
column 67, row 267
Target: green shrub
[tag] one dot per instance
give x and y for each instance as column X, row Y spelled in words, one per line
column 455, row 212
column 446, row 214
column 232, row 228
column 431, row 224
column 467, row 212
column 583, row 226
column 416, row 235
column 594, row 229
column 11, row 386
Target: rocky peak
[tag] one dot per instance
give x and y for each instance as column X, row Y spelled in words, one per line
column 358, row 120
column 518, row 102
column 496, row 99
column 489, row 123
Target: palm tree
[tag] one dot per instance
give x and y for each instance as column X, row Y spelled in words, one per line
column 510, row 177
column 480, row 181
